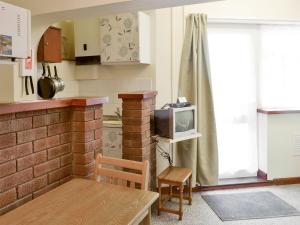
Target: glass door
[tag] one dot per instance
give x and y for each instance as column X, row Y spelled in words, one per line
column 233, row 74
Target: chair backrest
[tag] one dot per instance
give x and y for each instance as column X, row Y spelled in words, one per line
column 124, row 177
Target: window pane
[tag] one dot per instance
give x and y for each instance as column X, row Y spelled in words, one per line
column 233, row 70
column 280, row 66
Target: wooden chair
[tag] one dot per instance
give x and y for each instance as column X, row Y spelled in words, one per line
column 119, row 177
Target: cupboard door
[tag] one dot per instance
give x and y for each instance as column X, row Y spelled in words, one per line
column 49, row 49
column 119, row 38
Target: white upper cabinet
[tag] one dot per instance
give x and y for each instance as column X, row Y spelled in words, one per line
column 125, row 39
column 87, row 35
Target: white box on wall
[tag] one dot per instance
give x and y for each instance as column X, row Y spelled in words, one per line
column 12, row 85
column 15, row 31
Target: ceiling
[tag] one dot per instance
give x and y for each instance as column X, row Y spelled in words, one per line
column 45, row 6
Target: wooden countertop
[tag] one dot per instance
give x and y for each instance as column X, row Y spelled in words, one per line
column 276, row 111
column 6, row 108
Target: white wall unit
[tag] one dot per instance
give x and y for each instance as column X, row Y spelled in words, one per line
column 87, row 36
column 12, row 85
column 112, row 141
column 125, row 38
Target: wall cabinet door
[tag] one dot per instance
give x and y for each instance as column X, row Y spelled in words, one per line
column 87, row 36
column 49, row 49
column 125, row 38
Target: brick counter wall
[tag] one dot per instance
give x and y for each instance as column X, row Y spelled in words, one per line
column 39, row 150
column 138, row 128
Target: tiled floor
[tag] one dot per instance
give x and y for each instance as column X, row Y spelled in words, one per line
column 200, row 213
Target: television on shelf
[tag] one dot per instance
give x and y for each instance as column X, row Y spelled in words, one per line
column 175, row 121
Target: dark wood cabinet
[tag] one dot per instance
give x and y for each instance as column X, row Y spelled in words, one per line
column 49, row 49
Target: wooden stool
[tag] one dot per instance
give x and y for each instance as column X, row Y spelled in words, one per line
column 175, row 176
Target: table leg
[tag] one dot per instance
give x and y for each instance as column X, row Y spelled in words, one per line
column 147, row 219
column 190, row 190
column 159, row 198
column 180, row 201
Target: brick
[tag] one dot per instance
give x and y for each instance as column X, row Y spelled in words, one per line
column 85, row 147
column 7, row 168
column 15, row 125
column 39, row 182
column 39, row 112
column 136, row 128
column 136, row 151
column 65, row 116
column 98, row 112
column 65, row 180
column 52, row 186
column 83, row 170
column 15, row 204
column 83, row 158
column 66, row 159
column 40, row 192
column 24, row 149
column 8, row 154
column 46, row 167
column 31, row 160
column 98, row 134
column 65, row 138
column 84, row 126
column 24, row 114
column 25, row 162
column 59, row 128
column 59, row 174
column 81, row 137
column 15, row 179
column 135, row 121
column 135, row 136
column 135, row 143
column 8, row 140
column 8, row 197
column 39, row 145
column 80, row 116
column 53, row 141
column 136, row 104
column 53, row 118
column 39, row 121
column 25, row 189
column 58, row 151
column 31, row 135
column 40, row 157
column 136, row 113
column 7, row 117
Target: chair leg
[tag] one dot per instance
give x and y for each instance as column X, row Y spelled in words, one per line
column 170, row 192
column 180, row 201
column 190, row 190
column 159, row 199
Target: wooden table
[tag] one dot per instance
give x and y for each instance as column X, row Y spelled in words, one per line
column 85, row 202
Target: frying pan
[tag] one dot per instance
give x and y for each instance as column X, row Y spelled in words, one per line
column 61, row 86
column 46, row 85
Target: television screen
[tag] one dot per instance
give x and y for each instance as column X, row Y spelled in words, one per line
column 184, row 120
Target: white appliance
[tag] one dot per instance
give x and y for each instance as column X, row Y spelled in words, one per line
column 15, row 31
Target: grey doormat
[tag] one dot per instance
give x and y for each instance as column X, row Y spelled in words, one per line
column 245, row 206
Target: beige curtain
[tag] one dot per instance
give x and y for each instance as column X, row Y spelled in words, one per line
column 200, row 155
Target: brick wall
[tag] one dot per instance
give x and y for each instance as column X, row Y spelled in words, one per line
column 138, row 127
column 39, row 150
